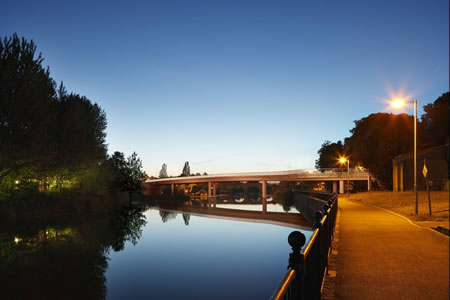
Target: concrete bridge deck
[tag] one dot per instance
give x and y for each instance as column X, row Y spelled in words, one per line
column 334, row 175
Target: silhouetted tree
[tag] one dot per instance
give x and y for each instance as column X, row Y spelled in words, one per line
column 379, row 138
column 47, row 137
column 27, row 112
column 329, row 154
column 163, row 172
column 436, row 121
column 128, row 172
column 186, row 170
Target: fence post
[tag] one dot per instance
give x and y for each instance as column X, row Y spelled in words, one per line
column 296, row 240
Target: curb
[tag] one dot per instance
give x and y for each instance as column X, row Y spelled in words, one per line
column 436, row 231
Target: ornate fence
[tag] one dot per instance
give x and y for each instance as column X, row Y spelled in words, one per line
column 308, row 263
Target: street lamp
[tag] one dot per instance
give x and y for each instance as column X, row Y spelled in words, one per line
column 344, row 160
column 399, row 103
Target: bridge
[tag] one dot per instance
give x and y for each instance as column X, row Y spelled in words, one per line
column 337, row 176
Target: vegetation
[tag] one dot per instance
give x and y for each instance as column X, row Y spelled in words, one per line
column 186, row 170
column 378, row 138
column 329, row 154
column 163, row 172
column 128, row 173
column 52, row 143
column 435, row 121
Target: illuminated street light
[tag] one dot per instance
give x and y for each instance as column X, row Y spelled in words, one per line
column 400, row 103
column 344, row 160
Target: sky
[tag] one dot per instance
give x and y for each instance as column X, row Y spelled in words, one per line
column 237, row 86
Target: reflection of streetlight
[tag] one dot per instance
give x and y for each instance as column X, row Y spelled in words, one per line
column 344, row 160
column 399, row 103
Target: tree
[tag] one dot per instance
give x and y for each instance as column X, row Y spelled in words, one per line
column 27, row 111
column 328, row 154
column 47, row 137
column 128, row 172
column 186, row 170
column 163, row 172
column 379, row 138
column 435, row 121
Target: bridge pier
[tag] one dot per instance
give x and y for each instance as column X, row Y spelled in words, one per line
column 369, row 183
column 264, row 189
column 335, row 187
column 341, row 187
column 264, row 196
column 172, row 189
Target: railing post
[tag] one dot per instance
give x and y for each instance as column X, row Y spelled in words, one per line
column 317, row 218
column 296, row 240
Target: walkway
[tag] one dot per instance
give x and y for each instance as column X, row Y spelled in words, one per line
column 383, row 256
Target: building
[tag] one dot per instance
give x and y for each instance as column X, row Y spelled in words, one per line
column 437, row 162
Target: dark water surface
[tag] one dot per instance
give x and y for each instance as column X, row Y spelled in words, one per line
column 144, row 253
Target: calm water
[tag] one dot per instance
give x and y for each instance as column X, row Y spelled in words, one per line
column 144, row 254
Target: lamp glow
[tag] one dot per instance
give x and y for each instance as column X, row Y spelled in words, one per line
column 398, row 103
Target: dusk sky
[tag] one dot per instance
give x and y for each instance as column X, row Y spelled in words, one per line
column 237, row 86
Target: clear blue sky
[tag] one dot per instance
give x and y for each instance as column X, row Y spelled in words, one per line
column 235, row 86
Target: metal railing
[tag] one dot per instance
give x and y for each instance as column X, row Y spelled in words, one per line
column 307, row 268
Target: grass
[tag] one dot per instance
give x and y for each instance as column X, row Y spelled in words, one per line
column 403, row 203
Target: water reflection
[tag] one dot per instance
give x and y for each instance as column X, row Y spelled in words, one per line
column 65, row 260
column 139, row 253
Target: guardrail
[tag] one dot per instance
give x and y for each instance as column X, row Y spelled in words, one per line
column 307, row 268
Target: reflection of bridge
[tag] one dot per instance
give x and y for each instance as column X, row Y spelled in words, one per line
column 283, row 219
column 337, row 176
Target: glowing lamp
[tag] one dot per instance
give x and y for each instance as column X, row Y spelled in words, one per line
column 398, row 103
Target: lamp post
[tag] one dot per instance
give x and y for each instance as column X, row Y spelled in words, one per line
column 398, row 103
column 344, row 160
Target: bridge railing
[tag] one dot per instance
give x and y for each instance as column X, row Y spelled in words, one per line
column 307, row 267
column 305, row 173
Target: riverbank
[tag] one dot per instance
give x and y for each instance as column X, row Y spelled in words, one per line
column 403, row 203
column 58, row 204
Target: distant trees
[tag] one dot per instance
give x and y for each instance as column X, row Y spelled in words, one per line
column 435, row 121
column 328, row 154
column 186, row 170
column 128, row 173
column 163, row 172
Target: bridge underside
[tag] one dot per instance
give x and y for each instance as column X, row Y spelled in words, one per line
column 154, row 187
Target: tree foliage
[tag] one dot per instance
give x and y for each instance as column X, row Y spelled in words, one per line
column 27, row 112
column 48, row 138
column 128, row 172
column 379, row 138
column 436, row 121
column 186, row 170
column 329, row 153
column 163, row 172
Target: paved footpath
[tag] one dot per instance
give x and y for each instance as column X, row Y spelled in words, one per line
column 383, row 256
